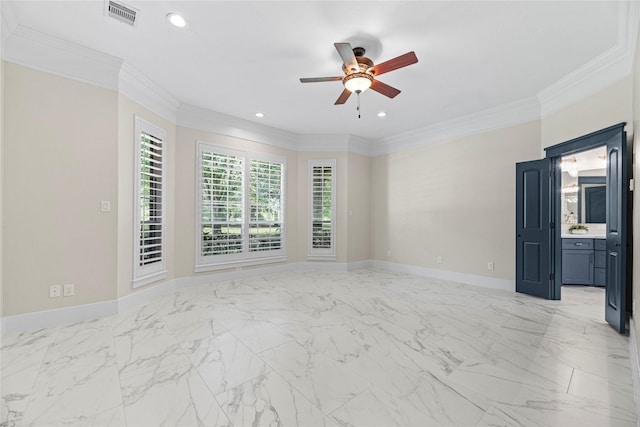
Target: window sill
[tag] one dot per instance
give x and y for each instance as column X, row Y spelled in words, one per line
column 149, row 278
column 238, row 263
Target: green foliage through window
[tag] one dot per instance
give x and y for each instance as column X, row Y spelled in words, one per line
column 232, row 221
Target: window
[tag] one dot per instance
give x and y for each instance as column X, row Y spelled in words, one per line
column 240, row 208
column 149, row 223
column 322, row 182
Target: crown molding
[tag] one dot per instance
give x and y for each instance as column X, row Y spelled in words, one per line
column 27, row 47
column 522, row 111
column 335, row 143
column 602, row 71
column 33, row 49
column 211, row 121
column 39, row 51
column 136, row 86
column 360, row 145
column 8, row 22
column 323, row 142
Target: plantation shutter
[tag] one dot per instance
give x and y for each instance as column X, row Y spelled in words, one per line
column 150, row 197
column 240, row 208
column 322, row 233
column 221, row 204
column 266, row 206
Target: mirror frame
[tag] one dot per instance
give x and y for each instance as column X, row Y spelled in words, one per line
column 582, row 180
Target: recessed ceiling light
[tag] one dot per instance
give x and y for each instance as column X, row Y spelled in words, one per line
column 382, row 114
column 260, row 115
column 177, row 20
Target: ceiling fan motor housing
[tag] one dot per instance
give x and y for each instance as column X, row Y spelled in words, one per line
column 364, row 63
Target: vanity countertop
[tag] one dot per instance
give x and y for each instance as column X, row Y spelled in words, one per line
column 583, row 236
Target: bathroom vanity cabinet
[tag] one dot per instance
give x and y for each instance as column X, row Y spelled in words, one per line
column 584, row 261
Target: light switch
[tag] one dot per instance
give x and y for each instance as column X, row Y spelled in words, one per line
column 105, row 206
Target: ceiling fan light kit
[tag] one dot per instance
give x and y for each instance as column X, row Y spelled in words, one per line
column 357, row 82
column 360, row 71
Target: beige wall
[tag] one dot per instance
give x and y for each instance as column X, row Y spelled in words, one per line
column 185, row 192
column 636, row 199
column 127, row 110
column 607, row 107
column 71, row 144
column 78, row 140
column 454, row 199
column 60, row 160
column 1, row 182
column 358, row 208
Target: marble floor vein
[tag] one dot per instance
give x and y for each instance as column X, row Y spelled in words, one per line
column 314, row 348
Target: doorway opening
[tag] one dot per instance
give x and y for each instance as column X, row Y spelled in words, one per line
column 539, row 215
column 583, row 227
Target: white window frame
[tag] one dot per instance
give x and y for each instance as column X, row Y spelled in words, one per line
column 144, row 274
column 319, row 254
column 246, row 257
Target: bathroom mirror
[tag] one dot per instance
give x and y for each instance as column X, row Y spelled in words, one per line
column 592, row 199
column 583, row 187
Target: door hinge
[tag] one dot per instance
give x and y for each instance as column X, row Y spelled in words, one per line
column 552, row 276
column 632, row 184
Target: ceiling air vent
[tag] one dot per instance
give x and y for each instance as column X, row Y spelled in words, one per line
column 121, row 12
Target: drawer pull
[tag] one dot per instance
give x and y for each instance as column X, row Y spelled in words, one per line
column 578, row 244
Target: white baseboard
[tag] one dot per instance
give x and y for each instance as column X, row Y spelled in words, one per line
column 57, row 317
column 61, row 316
column 635, row 364
column 204, row 279
column 452, row 276
column 145, row 295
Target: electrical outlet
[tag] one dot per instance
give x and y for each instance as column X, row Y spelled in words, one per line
column 69, row 290
column 55, row 291
column 491, row 266
column 439, row 259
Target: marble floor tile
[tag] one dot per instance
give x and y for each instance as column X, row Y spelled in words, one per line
column 21, row 358
column 78, row 382
column 327, row 348
column 224, row 362
column 269, row 400
column 173, row 394
column 433, row 401
column 617, row 396
column 322, row 380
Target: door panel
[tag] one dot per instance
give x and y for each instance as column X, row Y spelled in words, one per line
column 533, row 234
column 615, row 307
column 531, row 254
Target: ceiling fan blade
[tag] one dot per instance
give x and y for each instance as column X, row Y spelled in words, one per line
column 343, row 97
column 384, row 89
column 319, row 79
column 346, row 53
column 395, row 63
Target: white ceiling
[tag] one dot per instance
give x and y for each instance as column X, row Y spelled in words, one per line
column 238, row 57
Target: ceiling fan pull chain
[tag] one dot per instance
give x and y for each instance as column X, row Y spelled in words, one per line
column 358, row 93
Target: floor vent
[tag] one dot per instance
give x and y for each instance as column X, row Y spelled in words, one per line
column 121, row 12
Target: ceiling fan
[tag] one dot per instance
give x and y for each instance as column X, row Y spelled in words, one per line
column 360, row 72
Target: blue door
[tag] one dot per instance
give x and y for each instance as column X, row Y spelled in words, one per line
column 615, row 305
column 533, row 231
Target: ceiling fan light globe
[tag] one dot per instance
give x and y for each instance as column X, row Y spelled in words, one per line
column 357, row 82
